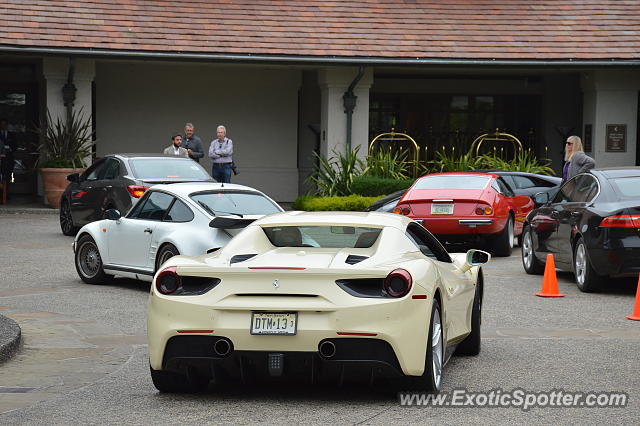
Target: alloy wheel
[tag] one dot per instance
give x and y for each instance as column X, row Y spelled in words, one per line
column 89, row 259
column 436, row 349
column 527, row 249
column 66, row 220
column 580, row 263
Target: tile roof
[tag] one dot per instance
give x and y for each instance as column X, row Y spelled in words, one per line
column 445, row 29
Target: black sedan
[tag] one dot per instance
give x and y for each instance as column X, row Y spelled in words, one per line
column 117, row 182
column 521, row 183
column 591, row 226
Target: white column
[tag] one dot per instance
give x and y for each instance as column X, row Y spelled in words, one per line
column 334, row 82
column 611, row 97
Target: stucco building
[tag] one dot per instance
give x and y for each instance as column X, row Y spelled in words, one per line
column 276, row 72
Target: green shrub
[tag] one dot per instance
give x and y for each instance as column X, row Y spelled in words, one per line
column 349, row 203
column 387, row 164
column 371, row 186
column 334, row 176
column 523, row 162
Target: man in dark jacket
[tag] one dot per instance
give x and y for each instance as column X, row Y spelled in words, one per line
column 192, row 143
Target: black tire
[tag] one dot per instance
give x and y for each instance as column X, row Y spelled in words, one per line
column 165, row 253
column 89, row 262
column 66, row 219
column 530, row 262
column 503, row 242
column 170, row 382
column 431, row 379
column 470, row 346
column 587, row 279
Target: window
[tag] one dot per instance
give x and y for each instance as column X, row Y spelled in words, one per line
column 585, row 189
column 564, row 195
column 427, row 243
column 504, row 188
column 627, row 187
column 163, row 168
column 179, row 212
column 452, row 182
column 111, row 170
column 322, row 236
column 218, row 203
column 155, row 206
column 94, row 171
column 523, row 182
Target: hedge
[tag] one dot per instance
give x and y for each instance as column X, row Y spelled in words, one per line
column 371, row 186
column 348, row 203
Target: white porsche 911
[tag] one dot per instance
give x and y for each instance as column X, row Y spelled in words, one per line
column 168, row 220
column 319, row 296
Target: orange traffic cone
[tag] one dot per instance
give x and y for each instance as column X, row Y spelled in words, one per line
column 550, row 281
column 636, row 308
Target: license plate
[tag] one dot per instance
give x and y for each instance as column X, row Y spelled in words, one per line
column 441, row 208
column 281, row 323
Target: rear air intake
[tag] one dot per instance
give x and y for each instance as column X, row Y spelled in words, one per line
column 352, row 259
column 241, row 258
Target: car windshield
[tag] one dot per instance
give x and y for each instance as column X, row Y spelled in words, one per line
column 167, row 168
column 221, row 203
column 452, row 182
column 628, row 187
column 322, row 236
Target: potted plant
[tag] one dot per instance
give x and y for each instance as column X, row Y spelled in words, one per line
column 66, row 143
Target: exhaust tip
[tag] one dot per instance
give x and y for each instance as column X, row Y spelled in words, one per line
column 327, row 349
column 222, row 347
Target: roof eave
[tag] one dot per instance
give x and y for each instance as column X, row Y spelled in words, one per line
column 306, row 60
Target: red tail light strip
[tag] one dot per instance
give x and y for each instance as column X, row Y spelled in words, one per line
column 194, row 331
column 276, row 267
column 341, row 333
column 419, row 296
column 621, row 221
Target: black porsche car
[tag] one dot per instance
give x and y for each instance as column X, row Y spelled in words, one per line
column 117, row 182
column 591, row 226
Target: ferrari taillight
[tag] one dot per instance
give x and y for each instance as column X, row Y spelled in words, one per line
column 484, row 210
column 137, row 191
column 398, row 283
column 168, row 281
column 403, row 210
column 621, row 221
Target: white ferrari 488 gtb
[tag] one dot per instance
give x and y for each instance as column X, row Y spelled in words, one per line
column 319, row 296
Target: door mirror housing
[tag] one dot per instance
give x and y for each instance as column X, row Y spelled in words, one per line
column 74, row 177
column 541, row 198
column 475, row 258
column 113, row 214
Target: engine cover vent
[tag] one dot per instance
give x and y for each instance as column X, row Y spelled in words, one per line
column 352, row 259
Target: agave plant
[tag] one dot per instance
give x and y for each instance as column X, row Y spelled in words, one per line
column 387, row 164
column 334, row 176
column 66, row 142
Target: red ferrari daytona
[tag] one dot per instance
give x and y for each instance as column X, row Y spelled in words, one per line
column 480, row 208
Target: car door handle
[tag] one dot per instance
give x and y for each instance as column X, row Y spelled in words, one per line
column 148, row 230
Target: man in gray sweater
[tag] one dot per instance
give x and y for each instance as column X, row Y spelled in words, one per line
column 192, row 143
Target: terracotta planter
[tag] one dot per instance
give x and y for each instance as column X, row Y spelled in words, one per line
column 55, row 182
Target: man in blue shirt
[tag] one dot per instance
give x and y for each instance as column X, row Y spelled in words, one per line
column 221, row 153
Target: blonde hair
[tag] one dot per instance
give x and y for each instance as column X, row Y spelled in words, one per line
column 576, row 147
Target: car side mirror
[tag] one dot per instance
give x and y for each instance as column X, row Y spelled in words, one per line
column 74, row 177
column 541, row 198
column 113, row 214
column 475, row 258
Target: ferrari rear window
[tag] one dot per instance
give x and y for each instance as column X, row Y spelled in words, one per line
column 452, row 182
column 628, row 187
column 167, row 168
column 322, row 236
